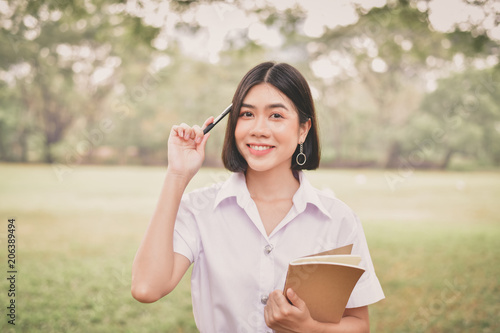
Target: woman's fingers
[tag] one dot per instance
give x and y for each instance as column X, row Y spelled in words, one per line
column 207, row 122
column 197, row 134
column 182, row 130
column 194, row 133
column 186, row 132
column 175, row 130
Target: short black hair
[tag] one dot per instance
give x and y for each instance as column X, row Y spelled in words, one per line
column 290, row 82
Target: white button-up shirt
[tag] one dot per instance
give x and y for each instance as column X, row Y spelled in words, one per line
column 237, row 265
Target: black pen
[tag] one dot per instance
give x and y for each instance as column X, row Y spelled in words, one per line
column 219, row 118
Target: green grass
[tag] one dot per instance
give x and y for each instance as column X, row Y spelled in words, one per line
column 433, row 239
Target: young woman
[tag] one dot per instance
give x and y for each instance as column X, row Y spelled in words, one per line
column 242, row 233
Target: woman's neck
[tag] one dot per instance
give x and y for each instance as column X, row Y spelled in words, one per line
column 271, row 185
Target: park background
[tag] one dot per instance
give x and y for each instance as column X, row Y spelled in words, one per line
column 408, row 97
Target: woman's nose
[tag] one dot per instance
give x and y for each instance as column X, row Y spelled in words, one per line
column 261, row 127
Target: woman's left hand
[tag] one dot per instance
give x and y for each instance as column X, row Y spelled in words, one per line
column 282, row 316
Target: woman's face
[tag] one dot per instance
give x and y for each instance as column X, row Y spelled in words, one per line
column 268, row 130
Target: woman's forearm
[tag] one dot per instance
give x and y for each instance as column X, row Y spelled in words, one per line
column 355, row 320
column 153, row 270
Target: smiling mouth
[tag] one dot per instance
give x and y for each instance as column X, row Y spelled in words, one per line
column 260, row 148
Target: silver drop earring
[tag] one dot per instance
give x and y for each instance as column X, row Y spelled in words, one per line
column 301, row 155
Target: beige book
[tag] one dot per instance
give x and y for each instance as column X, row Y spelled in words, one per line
column 325, row 281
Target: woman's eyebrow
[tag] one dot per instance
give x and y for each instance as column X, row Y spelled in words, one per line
column 244, row 105
column 270, row 106
column 277, row 105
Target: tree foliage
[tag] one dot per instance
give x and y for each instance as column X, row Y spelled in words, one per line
column 62, row 60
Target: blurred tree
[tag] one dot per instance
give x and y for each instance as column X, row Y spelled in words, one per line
column 62, row 58
column 387, row 59
column 15, row 127
column 465, row 118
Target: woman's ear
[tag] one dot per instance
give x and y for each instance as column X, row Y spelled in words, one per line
column 304, row 130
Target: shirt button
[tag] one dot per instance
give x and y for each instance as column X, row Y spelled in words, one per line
column 268, row 248
column 263, row 299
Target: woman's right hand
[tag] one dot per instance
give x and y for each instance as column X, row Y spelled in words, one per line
column 186, row 149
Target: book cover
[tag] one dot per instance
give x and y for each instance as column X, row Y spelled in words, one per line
column 325, row 281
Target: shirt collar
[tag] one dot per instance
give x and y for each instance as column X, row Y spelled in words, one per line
column 307, row 194
column 236, row 187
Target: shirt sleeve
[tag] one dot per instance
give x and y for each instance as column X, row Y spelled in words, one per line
column 368, row 289
column 186, row 233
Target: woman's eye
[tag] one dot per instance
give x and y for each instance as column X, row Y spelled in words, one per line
column 245, row 114
column 276, row 116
